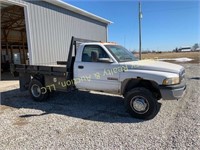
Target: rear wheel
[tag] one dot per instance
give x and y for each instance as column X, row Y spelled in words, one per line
column 140, row 103
column 37, row 92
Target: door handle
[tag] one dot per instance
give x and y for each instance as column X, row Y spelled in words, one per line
column 80, row 67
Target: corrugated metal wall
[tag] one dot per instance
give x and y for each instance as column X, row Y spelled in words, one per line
column 51, row 29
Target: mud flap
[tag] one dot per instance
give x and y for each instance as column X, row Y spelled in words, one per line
column 24, row 80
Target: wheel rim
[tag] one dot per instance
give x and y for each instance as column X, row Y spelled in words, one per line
column 35, row 90
column 139, row 104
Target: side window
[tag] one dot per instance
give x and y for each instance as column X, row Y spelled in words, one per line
column 92, row 53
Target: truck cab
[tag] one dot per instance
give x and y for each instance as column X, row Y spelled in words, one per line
column 110, row 68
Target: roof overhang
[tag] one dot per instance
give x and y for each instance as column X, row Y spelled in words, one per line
column 78, row 10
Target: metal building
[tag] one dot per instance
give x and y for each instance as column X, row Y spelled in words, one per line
column 39, row 32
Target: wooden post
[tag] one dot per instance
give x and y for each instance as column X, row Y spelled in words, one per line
column 23, row 47
column 6, row 39
column 11, row 52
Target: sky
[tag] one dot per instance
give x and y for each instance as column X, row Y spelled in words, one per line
column 165, row 24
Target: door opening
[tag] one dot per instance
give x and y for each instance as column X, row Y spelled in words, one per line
column 14, row 48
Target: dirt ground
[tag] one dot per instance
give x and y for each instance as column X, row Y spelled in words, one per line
column 91, row 120
column 192, row 55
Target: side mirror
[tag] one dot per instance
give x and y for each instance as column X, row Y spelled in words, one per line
column 105, row 60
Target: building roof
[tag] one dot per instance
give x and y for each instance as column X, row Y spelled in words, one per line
column 78, row 10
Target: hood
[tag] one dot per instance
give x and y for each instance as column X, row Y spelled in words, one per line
column 153, row 65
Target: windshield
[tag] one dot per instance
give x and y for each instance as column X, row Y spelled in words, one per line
column 120, row 53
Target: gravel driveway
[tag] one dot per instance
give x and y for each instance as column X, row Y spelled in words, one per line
column 90, row 120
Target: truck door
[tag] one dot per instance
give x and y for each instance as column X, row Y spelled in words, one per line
column 95, row 72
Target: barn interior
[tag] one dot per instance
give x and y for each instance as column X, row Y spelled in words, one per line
column 14, row 48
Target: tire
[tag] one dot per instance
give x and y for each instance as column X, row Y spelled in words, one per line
column 36, row 92
column 141, row 103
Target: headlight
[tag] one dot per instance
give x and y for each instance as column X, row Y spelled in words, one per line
column 171, row 81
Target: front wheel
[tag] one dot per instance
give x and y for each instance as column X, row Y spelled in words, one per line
column 140, row 103
column 36, row 91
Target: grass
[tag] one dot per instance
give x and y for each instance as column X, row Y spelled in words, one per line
column 193, row 55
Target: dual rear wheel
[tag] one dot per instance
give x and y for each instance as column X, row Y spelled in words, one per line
column 36, row 90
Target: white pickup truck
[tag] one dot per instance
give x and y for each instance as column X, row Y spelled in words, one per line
column 110, row 68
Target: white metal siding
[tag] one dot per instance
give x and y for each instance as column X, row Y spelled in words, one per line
column 51, row 29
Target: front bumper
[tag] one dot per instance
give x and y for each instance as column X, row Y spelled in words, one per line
column 173, row 92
